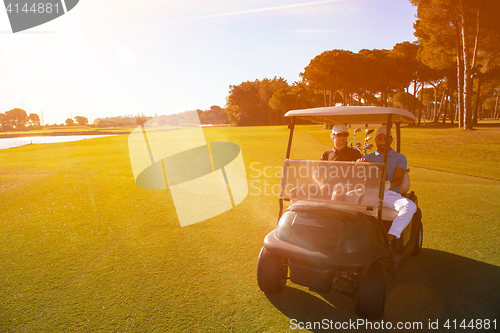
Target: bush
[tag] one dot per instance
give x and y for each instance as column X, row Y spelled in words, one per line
column 102, row 123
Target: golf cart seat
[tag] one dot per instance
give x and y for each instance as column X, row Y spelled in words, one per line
column 405, row 187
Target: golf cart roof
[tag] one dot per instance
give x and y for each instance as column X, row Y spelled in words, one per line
column 353, row 115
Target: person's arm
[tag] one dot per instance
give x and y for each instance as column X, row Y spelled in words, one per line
column 363, row 159
column 399, row 174
column 318, row 179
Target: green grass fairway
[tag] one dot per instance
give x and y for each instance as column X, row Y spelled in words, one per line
column 82, row 248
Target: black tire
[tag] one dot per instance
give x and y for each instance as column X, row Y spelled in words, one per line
column 272, row 272
column 370, row 293
column 420, row 239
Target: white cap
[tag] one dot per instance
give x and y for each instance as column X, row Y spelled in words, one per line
column 383, row 130
column 339, row 128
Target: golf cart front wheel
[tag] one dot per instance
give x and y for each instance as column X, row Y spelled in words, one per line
column 272, row 272
column 370, row 293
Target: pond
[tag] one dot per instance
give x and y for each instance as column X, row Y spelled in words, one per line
column 22, row 141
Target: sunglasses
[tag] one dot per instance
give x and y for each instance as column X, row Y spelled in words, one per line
column 342, row 134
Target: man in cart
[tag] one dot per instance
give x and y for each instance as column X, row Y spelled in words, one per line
column 396, row 169
column 340, row 151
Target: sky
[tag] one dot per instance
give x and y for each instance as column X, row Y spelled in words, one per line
column 155, row 57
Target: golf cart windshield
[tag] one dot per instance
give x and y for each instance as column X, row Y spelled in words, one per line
column 355, row 184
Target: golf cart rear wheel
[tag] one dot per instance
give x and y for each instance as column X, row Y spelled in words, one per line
column 370, row 293
column 272, row 272
column 420, row 239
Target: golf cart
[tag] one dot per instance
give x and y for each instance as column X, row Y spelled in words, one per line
column 339, row 232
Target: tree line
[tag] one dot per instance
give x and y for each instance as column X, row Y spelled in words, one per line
column 18, row 120
column 215, row 115
column 451, row 72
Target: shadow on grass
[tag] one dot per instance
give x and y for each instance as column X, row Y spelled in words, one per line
column 492, row 124
column 440, row 125
column 433, row 125
column 434, row 285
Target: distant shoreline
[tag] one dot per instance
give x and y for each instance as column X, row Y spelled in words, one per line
column 21, row 135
